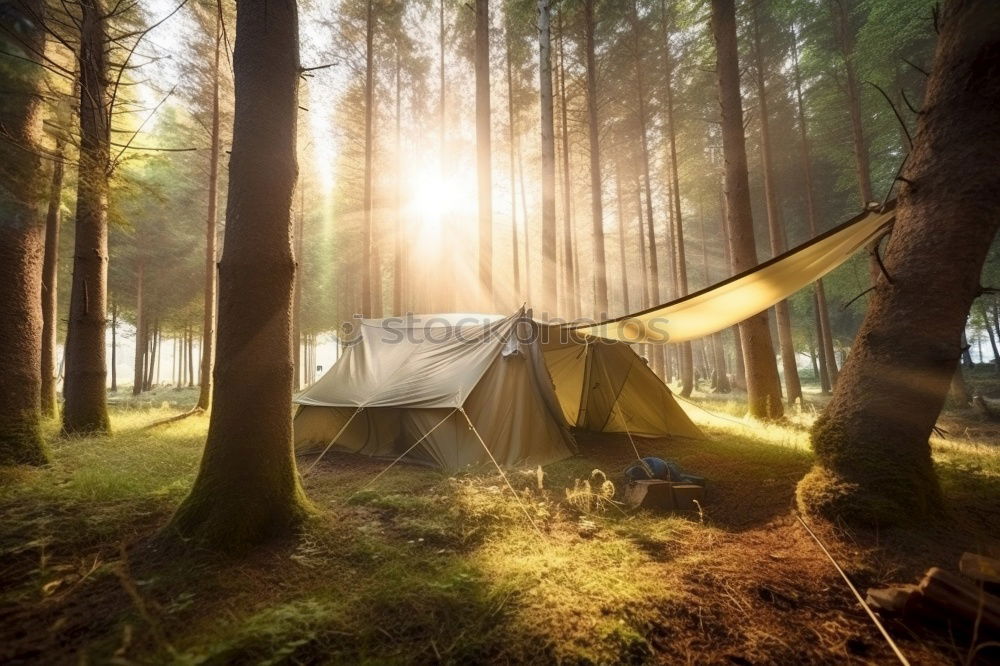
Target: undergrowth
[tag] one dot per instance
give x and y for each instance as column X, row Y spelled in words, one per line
column 425, row 567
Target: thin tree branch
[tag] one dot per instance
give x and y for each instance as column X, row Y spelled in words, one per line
column 128, row 143
column 902, row 123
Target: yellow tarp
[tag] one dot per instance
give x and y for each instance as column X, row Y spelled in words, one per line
column 722, row 305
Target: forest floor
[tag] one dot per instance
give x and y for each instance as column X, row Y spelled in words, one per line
column 423, row 567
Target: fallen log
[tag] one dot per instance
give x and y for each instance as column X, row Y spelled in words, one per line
column 892, row 599
column 172, row 419
column 980, row 567
column 955, row 597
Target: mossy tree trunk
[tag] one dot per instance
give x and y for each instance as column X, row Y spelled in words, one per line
column 873, row 457
column 21, row 235
column 247, row 490
column 763, row 385
column 85, row 411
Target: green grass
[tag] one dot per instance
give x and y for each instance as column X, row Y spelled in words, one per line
column 425, row 567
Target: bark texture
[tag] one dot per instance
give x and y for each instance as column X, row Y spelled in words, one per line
column 85, row 410
column 208, row 319
column 823, row 327
column 21, row 238
column 370, row 278
column 512, row 157
column 873, row 457
column 775, row 222
column 680, row 257
column 247, row 490
column 571, row 288
column 549, row 264
column 763, row 385
column 596, row 183
column 50, row 273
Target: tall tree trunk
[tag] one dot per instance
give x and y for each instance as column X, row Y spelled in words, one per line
column 966, row 355
column 369, row 278
column 721, row 382
column 905, row 356
column 823, row 368
column 299, row 246
column 740, row 373
column 247, row 489
column 992, row 336
column 763, row 385
column 399, row 248
column 621, row 238
column 646, row 350
column 549, row 264
column 139, row 367
column 447, row 296
column 484, row 150
column 825, row 343
column 511, row 144
column 114, row 347
column 22, row 238
column 190, row 353
column 159, row 346
column 646, row 281
column 680, row 260
column 596, row 183
column 50, row 273
column 153, row 346
column 775, row 224
column 844, row 36
column 211, row 222
column 527, row 223
column 996, row 318
column 572, row 284
column 660, row 354
column 84, row 387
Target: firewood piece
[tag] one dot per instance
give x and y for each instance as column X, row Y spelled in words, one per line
column 959, row 597
column 891, row 599
column 980, row 567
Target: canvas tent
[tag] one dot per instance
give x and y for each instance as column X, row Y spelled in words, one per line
column 604, row 386
column 452, row 391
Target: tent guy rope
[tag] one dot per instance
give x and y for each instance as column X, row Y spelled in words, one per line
column 403, row 454
column 335, row 438
column 517, row 497
column 885, row 634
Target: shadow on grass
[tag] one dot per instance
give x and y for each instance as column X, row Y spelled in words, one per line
column 748, row 483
